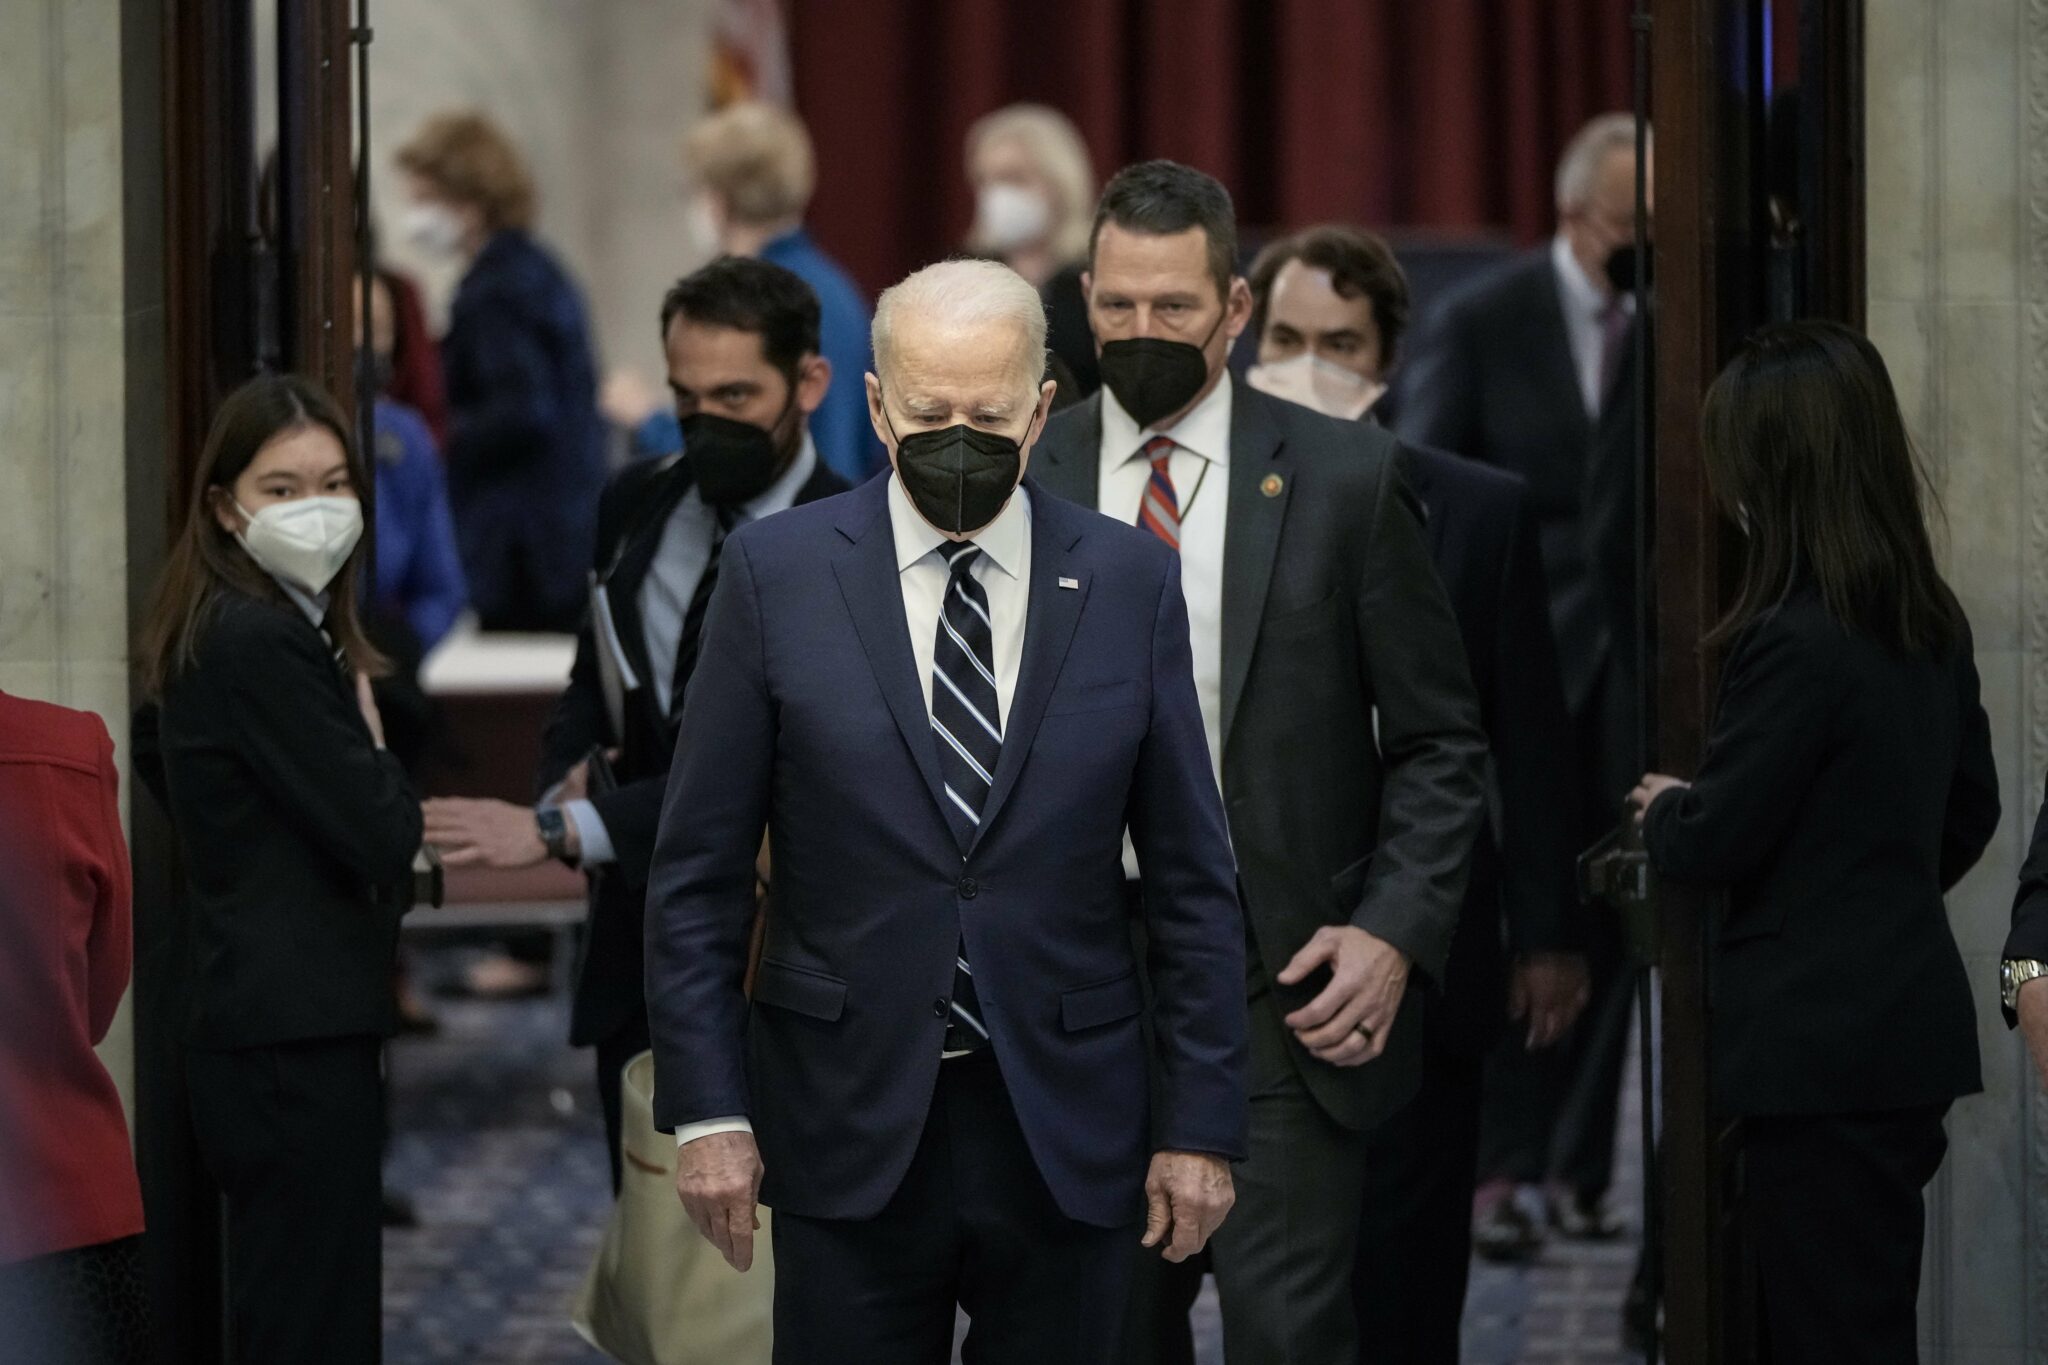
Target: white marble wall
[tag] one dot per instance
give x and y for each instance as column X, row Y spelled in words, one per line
column 597, row 93
column 63, row 533
column 1957, row 110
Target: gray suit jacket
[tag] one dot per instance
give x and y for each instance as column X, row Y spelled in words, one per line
column 1332, row 612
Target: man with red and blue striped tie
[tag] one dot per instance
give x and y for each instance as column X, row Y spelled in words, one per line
column 1340, row 717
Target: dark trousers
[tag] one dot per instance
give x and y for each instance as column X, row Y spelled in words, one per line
column 1833, row 1214
column 1550, row 1114
column 84, row 1306
column 292, row 1135
column 1415, row 1228
column 612, row 1055
column 974, row 1225
column 1283, row 1258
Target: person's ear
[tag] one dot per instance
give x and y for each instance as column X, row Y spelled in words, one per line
column 1237, row 309
column 222, row 505
column 876, row 418
column 813, row 381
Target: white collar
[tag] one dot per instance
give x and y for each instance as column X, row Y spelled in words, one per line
column 780, row 495
column 1205, row 431
column 312, row 604
column 1581, row 295
column 1002, row 540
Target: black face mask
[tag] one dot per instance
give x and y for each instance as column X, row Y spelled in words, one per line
column 1622, row 267
column 959, row 477
column 734, row 462
column 1153, row 377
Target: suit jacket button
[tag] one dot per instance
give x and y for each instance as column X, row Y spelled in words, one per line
column 940, row 1006
column 969, row 888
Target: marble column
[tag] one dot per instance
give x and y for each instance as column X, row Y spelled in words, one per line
column 1957, row 129
column 63, row 322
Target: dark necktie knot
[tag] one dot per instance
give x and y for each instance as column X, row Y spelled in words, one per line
column 960, row 555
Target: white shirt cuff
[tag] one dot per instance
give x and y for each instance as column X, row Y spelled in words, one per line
column 595, row 839
column 690, row 1132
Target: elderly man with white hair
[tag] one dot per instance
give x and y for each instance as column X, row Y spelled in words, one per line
column 945, row 696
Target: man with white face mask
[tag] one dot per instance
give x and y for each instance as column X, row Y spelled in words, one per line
column 1329, row 306
column 946, row 694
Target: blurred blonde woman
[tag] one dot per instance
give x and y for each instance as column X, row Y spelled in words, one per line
column 1034, row 204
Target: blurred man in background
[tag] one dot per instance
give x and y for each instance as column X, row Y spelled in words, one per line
column 1531, row 368
column 1328, row 309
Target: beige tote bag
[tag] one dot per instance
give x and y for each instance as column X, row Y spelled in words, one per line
column 658, row 1293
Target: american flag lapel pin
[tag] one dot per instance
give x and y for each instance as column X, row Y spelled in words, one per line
column 1073, row 583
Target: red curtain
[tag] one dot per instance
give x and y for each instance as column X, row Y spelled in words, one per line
column 1418, row 114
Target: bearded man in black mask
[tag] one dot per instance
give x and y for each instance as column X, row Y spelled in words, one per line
column 947, row 694
column 744, row 366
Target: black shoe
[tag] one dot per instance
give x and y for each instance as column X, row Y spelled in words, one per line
column 1504, row 1235
column 398, row 1210
column 1639, row 1326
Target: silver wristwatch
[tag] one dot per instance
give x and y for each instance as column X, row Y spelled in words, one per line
column 2014, row 973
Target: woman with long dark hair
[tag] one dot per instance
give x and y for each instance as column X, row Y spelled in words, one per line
column 1848, row 783
column 297, row 829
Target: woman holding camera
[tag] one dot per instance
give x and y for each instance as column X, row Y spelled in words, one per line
column 1847, row 784
column 297, row 830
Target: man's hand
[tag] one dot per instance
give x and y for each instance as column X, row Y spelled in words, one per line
column 1187, row 1195
column 719, row 1180
column 1348, row 1022
column 2032, row 1007
column 1649, row 789
column 1549, row 990
column 482, row 833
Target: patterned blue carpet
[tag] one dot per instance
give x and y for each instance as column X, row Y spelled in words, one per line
column 496, row 1137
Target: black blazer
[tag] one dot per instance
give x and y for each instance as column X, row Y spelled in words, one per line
column 1843, row 791
column 2029, row 936
column 631, row 515
column 1331, row 612
column 1490, row 375
column 1483, row 540
column 298, row 834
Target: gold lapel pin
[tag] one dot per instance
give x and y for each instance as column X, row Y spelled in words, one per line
column 1272, row 485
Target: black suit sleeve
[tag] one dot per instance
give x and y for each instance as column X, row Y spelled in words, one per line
column 1533, row 755
column 1434, row 796
column 632, row 817
column 1438, row 399
column 1760, row 760
column 2029, row 937
column 700, row 896
column 310, row 750
column 1973, row 805
column 579, row 721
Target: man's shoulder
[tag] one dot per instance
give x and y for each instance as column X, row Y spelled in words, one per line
column 1459, row 481
column 1506, row 286
column 798, row 531
column 1328, row 448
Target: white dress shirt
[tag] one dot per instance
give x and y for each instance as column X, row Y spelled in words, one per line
column 1583, row 305
column 1200, row 469
column 665, row 593
column 1003, row 569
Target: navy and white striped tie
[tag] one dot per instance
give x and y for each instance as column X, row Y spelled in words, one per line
column 967, row 723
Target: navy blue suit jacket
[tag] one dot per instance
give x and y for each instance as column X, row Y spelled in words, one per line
column 806, row 716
